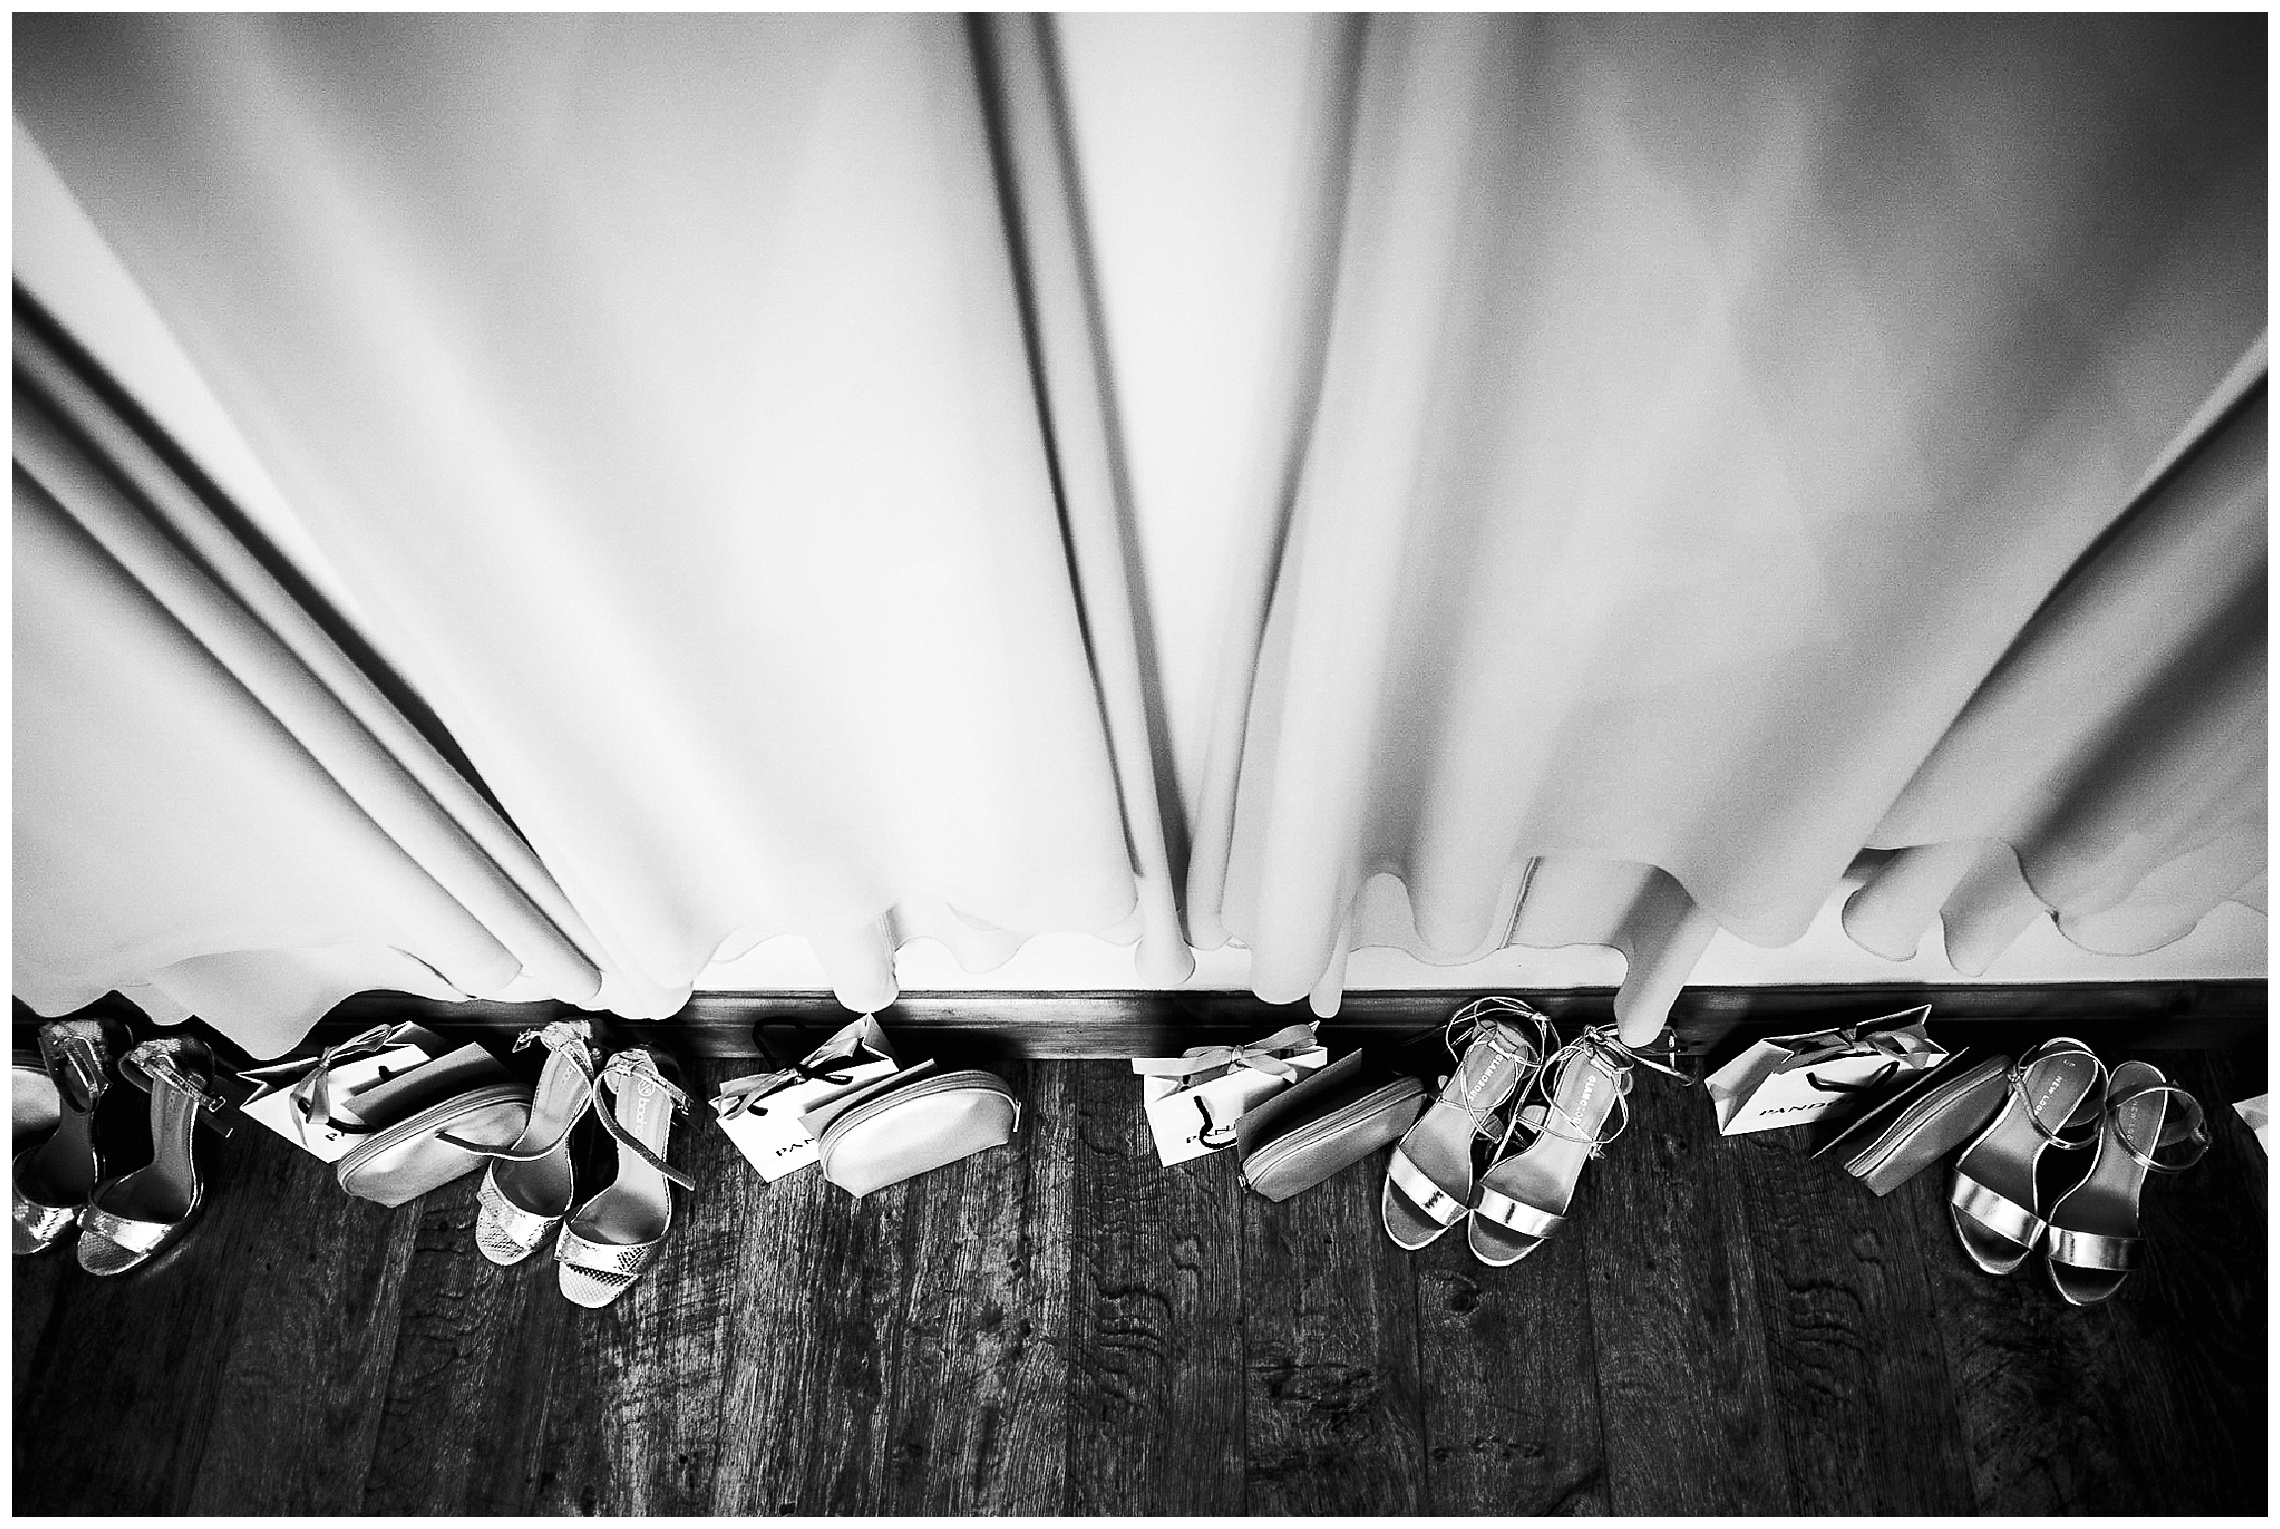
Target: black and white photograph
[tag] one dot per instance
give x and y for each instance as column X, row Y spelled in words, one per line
column 1089, row 764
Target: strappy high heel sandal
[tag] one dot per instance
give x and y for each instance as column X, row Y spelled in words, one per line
column 527, row 1189
column 1524, row 1198
column 1429, row 1181
column 52, row 1180
column 1993, row 1196
column 611, row 1238
column 130, row 1220
column 2093, row 1241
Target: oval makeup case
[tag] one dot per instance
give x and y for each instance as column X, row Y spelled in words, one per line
column 900, row 1127
column 1328, row 1121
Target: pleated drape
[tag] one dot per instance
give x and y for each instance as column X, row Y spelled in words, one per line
column 658, row 388
column 1440, row 482
column 1710, row 406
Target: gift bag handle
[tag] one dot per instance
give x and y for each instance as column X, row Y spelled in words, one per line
column 1876, row 1080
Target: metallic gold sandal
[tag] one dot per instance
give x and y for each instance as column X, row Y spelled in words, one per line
column 1524, row 1198
column 529, row 1187
column 1429, row 1181
column 1992, row 1200
column 52, row 1180
column 131, row 1219
column 2093, row 1241
column 610, row 1239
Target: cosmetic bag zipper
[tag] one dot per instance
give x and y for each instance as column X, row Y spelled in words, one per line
column 1264, row 1160
column 427, row 1120
column 1915, row 1118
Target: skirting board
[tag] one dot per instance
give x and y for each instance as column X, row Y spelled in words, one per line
column 2153, row 1015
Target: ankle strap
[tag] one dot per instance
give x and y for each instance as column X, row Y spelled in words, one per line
column 2057, row 1046
column 2193, row 1130
column 157, row 1061
column 73, row 1053
column 630, row 1067
column 1603, row 1042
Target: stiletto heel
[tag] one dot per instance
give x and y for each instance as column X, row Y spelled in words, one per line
column 51, row 1181
column 2093, row 1241
column 131, row 1219
column 1993, row 1198
column 1524, row 1198
column 610, row 1239
column 1429, row 1180
column 528, row 1188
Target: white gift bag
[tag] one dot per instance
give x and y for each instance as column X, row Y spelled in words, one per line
column 311, row 1101
column 1193, row 1100
column 761, row 1113
column 1788, row 1080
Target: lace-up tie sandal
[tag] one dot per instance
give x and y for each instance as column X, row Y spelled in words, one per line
column 1524, row 1197
column 528, row 1187
column 1991, row 1202
column 610, row 1239
column 1428, row 1182
column 52, row 1180
column 130, row 1220
column 2093, row 1242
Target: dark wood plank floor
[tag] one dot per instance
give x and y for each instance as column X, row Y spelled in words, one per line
column 1725, row 1326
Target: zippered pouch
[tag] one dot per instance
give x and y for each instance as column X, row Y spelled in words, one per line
column 917, row 1120
column 1918, row 1125
column 1326, row 1122
column 466, row 1095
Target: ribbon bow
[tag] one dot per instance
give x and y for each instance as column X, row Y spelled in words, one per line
column 1202, row 1063
column 312, row 1084
column 742, row 1096
column 1899, row 1042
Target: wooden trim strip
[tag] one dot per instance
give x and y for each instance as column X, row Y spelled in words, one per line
column 1039, row 1025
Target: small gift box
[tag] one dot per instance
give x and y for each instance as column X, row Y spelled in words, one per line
column 1788, row 1080
column 1194, row 1099
column 312, row 1101
column 761, row 1113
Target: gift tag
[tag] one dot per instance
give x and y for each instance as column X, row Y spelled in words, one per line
column 1191, row 1120
column 762, row 1113
column 325, row 1140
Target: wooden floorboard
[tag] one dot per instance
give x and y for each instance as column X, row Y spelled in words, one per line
column 1860, row 1383
column 1685, row 1391
column 1334, row 1410
column 1156, row 1370
column 1724, row 1325
column 293, row 1426
column 1511, row 1379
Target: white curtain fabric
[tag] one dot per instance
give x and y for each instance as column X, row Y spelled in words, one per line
column 1440, row 482
column 657, row 387
column 1709, row 407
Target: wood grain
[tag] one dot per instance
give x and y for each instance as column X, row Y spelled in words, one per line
column 1511, row 1377
column 1685, row 1394
column 1852, row 1337
column 1723, row 1326
column 634, row 1397
column 465, row 1401
column 1156, row 1354
column 116, row 1416
column 1334, row 1415
column 979, row 1422
column 293, row 1425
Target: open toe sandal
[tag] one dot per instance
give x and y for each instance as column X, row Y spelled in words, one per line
column 1523, row 1198
column 130, row 1220
column 528, row 1188
column 2053, row 1089
column 52, row 1180
column 2093, row 1241
column 1428, row 1183
column 611, row 1238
